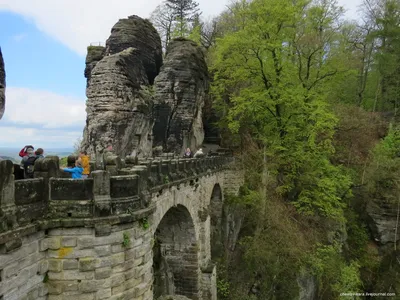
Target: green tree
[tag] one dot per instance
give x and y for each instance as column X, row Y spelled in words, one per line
column 384, row 17
column 196, row 31
column 184, row 12
column 270, row 78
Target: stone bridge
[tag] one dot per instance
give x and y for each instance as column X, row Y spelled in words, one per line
column 134, row 230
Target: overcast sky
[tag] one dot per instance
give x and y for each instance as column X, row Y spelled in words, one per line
column 44, row 46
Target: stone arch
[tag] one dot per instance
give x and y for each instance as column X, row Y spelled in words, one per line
column 216, row 215
column 175, row 255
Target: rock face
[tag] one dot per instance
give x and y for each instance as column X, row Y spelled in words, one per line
column 174, row 297
column 120, row 101
column 139, row 34
column 383, row 221
column 181, row 90
column 2, row 86
column 94, row 55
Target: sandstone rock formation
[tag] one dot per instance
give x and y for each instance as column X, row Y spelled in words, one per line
column 94, row 55
column 120, row 101
column 2, row 86
column 174, row 297
column 139, row 34
column 181, row 90
column 383, row 221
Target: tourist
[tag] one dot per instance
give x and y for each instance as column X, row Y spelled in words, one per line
column 24, row 152
column 28, row 162
column 76, row 171
column 188, row 153
column 84, row 158
column 199, row 153
column 39, row 153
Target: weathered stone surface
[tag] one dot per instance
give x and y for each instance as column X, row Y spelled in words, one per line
column 383, row 220
column 120, row 98
column 174, row 297
column 62, row 256
column 307, row 286
column 181, row 90
column 140, row 34
column 2, row 85
column 94, row 55
column 119, row 112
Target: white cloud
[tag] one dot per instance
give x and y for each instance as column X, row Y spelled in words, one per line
column 41, row 118
column 77, row 23
column 45, row 109
column 11, row 136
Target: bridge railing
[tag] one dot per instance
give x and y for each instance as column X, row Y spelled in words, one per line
column 102, row 44
column 121, row 188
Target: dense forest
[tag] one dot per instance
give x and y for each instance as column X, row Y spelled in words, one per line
column 309, row 101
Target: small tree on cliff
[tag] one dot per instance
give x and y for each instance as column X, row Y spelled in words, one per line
column 184, row 12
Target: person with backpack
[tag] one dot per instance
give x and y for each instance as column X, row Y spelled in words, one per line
column 39, row 153
column 24, row 150
column 28, row 162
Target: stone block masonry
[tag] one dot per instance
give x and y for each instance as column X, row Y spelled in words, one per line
column 82, row 265
column 23, row 269
column 96, row 238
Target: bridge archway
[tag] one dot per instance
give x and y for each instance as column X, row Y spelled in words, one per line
column 175, row 255
column 216, row 215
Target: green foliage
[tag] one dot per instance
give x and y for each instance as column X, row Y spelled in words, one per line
column 357, row 237
column 388, row 277
column 166, row 179
column 195, row 34
column 246, row 197
column 265, row 90
column 196, row 30
column 63, row 161
column 95, row 49
column 46, row 278
column 144, row 223
column 389, row 148
column 334, row 275
column 223, row 289
column 383, row 173
column 126, row 240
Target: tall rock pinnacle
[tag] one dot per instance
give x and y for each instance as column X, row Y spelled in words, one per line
column 181, row 90
column 119, row 92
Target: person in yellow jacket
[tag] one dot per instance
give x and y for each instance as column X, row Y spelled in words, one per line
column 84, row 158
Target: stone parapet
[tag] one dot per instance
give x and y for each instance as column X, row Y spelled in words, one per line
column 117, row 190
column 94, row 238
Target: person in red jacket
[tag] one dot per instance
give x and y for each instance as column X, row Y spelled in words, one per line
column 24, row 151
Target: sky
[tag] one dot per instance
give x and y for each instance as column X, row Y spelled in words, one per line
column 44, row 46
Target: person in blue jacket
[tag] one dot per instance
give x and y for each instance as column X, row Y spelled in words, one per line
column 76, row 171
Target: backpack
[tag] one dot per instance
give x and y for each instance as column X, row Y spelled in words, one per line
column 29, row 166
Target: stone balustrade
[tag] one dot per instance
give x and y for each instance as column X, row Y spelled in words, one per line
column 120, row 190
